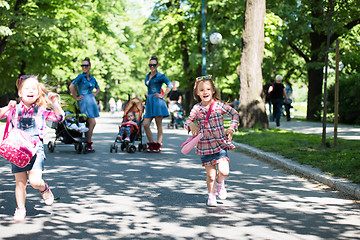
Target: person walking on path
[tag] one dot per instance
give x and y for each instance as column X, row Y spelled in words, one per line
column 30, row 116
column 155, row 104
column 216, row 141
column 174, row 97
column 268, row 98
column 85, row 84
column 277, row 92
column 289, row 92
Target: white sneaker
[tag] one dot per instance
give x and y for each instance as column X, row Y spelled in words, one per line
column 220, row 189
column 19, row 214
column 211, row 202
column 47, row 195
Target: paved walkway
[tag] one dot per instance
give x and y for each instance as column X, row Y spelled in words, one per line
column 107, row 195
column 344, row 131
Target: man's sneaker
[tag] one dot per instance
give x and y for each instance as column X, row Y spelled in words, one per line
column 220, row 189
column 127, row 139
column 211, row 202
column 150, row 147
column 119, row 137
column 89, row 146
column 157, row 147
column 47, row 195
column 20, row 214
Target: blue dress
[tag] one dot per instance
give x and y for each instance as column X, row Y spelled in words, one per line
column 88, row 103
column 156, row 106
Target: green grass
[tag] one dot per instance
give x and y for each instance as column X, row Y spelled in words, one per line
column 342, row 160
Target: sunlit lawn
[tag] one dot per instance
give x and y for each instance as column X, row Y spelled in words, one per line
column 342, row 161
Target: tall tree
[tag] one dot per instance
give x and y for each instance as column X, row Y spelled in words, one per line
column 306, row 34
column 252, row 107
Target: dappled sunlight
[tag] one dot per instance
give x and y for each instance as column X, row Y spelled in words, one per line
column 162, row 196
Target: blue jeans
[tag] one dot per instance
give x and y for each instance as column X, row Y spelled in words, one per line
column 125, row 129
column 271, row 114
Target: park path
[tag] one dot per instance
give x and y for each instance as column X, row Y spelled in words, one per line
column 344, row 131
column 162, row 196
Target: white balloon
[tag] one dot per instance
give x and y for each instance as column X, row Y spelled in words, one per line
column 215, row 38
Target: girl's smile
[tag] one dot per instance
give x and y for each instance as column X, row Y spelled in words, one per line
column 205, row 92
column 29, row 91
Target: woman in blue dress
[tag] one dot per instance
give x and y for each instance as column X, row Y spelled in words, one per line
column 155, row 104
column 85, row 84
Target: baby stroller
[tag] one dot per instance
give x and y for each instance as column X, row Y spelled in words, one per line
column 177, row 116
column 72, row 130
column 134, row 105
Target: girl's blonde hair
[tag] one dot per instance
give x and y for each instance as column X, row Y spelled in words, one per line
column 43, row 100
column 205, row 79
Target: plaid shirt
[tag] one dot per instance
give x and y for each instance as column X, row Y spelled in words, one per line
column 214, row 139
column 42, row 115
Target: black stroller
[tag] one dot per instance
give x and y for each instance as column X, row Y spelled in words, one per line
column 134, row 105
column 177, row 114
column 72, row 130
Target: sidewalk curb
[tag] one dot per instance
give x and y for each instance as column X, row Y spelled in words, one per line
column 340, row 184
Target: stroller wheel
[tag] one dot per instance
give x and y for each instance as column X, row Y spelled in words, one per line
column 116, row 147
column 78, row 147
column 84, row 148
column 51, row 146
column 123, row 146
column 130, row 148
column 111, row 147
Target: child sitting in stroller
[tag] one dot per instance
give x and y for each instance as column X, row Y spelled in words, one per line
column 71, row 123
column 126, row 126
column 131, row 127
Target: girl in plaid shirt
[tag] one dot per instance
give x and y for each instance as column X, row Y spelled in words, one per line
column 216, row 141
column 30, row 116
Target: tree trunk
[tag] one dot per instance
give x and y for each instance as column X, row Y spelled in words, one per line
column 252, row 106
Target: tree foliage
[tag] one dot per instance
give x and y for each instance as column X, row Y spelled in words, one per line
column 51, row 38
column 307, row 25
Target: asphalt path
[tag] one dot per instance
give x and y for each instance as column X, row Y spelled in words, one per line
column 120, row 195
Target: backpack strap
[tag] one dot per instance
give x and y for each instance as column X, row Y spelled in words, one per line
column 9, row 118
column 208, row 113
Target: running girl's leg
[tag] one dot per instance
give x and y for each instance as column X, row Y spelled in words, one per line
column 223, row 172
column 210, row 178
column 20, row 188
column 35, row 179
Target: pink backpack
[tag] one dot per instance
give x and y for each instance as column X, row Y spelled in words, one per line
column 191, row 142
column 17, row 146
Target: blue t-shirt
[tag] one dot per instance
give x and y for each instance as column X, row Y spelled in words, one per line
column 154, row 85
column 85, row 86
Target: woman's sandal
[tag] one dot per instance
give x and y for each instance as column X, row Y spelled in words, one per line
column 47, row 195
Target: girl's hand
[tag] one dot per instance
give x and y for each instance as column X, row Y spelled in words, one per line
column 229, row 134
column 194, row 129
column 52, row 97
column 12, row 103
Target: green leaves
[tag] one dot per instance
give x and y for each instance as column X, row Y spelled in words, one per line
column 50, row 38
